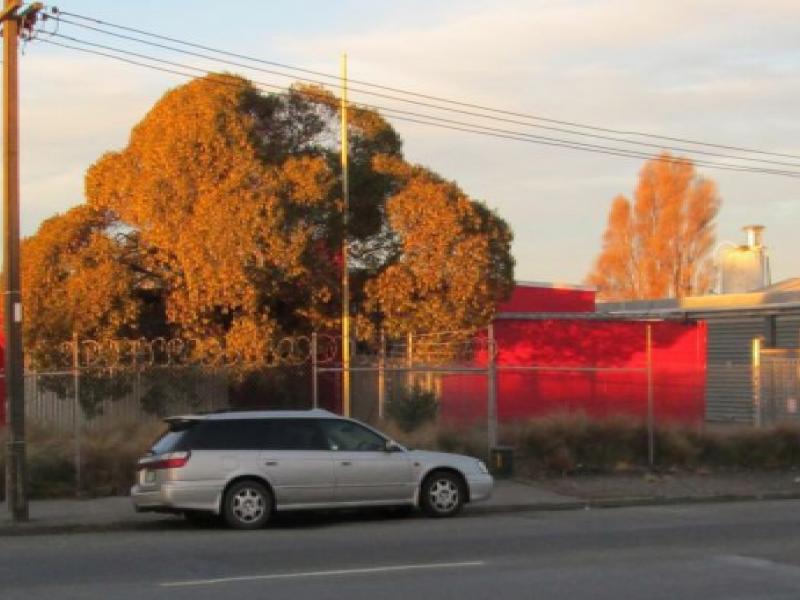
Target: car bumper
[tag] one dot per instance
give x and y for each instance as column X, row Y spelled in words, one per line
column 480, row 487
column 175, row 497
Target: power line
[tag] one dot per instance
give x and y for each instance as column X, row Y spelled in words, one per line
column 430, row 120
column 386, row 109
column 415, row 102
column 410, row 116
column 410, row 92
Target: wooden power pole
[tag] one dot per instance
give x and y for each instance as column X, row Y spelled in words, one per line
column 346, row 409
column 14, row 22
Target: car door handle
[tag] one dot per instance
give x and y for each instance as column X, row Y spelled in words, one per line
column 271, row 463
column 346, row 463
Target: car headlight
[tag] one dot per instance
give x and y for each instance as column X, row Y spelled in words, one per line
column 482, row 467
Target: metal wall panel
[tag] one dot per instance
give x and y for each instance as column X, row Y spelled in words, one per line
column 788, row 331
column 729, row 394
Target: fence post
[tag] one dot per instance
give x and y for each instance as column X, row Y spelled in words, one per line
column 314, row 372
column 382, row 375
column 491, row 385
column 77, row 421
column 137, row 385
column 409, row 360
column 755, row 358
column 651, row 434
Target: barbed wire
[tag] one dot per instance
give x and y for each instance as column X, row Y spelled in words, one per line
column 113, row 354
column 143, row 353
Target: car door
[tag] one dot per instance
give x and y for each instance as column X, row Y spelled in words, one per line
column 364, row 470
column 297, row 461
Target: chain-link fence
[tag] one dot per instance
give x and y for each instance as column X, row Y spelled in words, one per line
column 455, row 391
column 777, row 386
column 481, row 390
column 66, row 400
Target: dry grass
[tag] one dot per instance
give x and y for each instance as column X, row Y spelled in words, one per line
column 110, row 453
column 430, row 436
column 108, row 458
column 557, row 444
column 575, row 443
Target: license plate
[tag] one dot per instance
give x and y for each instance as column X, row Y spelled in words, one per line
column 149, row 476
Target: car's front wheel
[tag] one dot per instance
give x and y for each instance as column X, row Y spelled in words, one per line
column 247, row 505
column 442, row 494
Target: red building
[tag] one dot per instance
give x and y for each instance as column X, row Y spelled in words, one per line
column 584, row 362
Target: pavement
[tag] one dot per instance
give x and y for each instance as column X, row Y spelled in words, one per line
column 510, row 495
column 728, row 551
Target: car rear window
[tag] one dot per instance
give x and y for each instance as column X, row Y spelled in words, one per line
column 174, row 438
column 243, row 434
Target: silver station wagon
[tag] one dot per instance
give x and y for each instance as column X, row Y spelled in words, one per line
column 246, row 465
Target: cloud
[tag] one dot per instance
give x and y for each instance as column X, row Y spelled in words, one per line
column 74, row 108
column 720, row 70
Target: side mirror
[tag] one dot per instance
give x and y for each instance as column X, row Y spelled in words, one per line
column 392, row 446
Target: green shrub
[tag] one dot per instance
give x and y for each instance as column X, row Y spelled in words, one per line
column 413, row 408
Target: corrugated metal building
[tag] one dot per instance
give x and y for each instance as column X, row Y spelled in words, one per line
column 772, row 313
column 556, row 355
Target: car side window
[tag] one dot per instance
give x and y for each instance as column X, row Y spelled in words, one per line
column 227, row 434
column 349, row 436
column 295, row 434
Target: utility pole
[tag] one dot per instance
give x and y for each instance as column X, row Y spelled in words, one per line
column 345, row 273
column 16, row 477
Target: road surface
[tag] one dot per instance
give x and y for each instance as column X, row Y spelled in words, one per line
column 731, row 551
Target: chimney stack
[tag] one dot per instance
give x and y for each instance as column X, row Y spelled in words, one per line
column 755, row 233
column 745, row 268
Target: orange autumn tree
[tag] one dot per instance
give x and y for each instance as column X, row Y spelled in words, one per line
column 223, row 218
column 659, row 245
column 454, row 260
column 73, row 282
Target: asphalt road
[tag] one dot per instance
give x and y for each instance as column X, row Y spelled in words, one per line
column 731, row 551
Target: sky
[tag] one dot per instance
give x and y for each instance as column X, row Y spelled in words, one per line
column 719, row 71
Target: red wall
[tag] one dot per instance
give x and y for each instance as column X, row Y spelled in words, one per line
column 678, row 371
column 529, row 298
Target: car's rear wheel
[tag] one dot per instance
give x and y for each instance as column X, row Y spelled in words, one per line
column 247, row 505
column 442, row 494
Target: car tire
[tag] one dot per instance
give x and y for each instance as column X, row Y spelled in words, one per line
column 247, row 505
column 442, row 494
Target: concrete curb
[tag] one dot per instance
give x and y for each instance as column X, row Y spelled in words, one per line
column 33, row 528
column 601, row 503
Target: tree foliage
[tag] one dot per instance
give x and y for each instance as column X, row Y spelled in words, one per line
column 74, row 282
column 658, row 245
column 454, row 257
column 221, row 220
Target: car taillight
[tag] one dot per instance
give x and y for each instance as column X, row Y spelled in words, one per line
column 173, row 460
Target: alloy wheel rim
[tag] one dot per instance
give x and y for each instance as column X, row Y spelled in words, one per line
column 248, row 505
column 443, row 495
